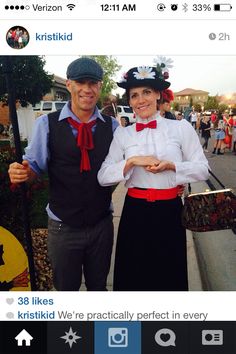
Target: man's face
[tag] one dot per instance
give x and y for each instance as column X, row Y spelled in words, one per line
column 84, row 94
column 166, row 106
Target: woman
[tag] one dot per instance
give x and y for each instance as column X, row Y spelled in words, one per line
column 153, row 157
column 219, row 136
column 228, row 123
column 205, row 127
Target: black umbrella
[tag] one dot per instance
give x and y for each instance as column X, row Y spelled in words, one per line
column 7, row 69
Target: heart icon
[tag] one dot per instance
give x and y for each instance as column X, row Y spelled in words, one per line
column 10, row 315
column 165, row 337
column 9, row 300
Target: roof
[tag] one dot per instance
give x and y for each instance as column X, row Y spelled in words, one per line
column 59, row 80
column 191, row 92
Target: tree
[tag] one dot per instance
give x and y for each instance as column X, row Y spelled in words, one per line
column 122, row 101
column 30, row 80
column 175, row 106
column 197, row 107
column 110, row 67
column 191, row 102
column 223, row 107
column 211, row 103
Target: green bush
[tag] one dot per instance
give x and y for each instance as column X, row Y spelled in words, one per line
column 11, row 199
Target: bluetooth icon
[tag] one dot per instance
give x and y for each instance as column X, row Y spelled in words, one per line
column 185, row 7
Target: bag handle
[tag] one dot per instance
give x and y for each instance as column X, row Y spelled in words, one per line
column 213, row 175
column 217, row 179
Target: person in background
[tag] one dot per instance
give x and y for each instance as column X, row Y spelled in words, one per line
column 179, row 116
column 228, row 124
column 71, row 145
column 193, row 118
column 205, row 127
column 164, row 104
column 153, row 157
column 234, row 135
column 219, row 136
column 213, row 117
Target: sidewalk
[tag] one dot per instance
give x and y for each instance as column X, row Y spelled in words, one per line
column 216, row 255
column 193, row 269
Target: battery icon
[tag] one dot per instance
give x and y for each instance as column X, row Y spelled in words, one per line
column 222, row 7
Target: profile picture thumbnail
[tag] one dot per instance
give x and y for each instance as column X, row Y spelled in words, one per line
column 17, row 37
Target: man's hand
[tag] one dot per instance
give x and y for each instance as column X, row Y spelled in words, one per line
column 19, row 173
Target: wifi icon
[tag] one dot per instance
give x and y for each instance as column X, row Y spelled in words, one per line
column 71, row 6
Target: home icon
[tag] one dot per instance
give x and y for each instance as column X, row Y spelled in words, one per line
column 23, row 337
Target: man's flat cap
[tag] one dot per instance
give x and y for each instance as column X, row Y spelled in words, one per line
column 84, row 68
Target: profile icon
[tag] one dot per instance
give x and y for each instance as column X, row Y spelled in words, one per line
column 17, row 37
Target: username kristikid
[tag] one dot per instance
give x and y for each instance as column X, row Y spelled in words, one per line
column 56, row 36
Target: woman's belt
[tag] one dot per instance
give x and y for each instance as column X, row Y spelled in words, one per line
column 151, row 194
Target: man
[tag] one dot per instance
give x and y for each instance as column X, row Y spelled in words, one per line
column 193, row 118
column 179, row 116
column 164, row 104
column 71, row 145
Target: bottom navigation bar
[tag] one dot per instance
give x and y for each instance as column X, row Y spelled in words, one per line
column 117, row 337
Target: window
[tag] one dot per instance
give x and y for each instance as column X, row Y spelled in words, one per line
column 47, row 106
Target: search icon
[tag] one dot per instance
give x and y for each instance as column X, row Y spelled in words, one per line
column 165, row 337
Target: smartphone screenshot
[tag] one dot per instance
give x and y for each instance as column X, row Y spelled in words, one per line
column 117, row 177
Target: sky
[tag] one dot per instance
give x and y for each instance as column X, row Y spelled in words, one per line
column 215, row 74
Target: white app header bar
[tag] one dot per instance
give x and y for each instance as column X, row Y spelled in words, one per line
column 144, row 37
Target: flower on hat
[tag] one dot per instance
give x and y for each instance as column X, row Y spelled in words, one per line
column 144, row 72
column 123, row 77
column 163, row 65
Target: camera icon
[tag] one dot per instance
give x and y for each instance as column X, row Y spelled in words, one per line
column 117, row 337
column 174, row 7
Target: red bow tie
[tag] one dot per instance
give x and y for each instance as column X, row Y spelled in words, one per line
column 140, row 126
column 84, row 141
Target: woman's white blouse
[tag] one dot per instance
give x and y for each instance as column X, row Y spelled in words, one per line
column 172, row 140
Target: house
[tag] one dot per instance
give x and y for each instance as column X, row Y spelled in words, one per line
column 190, row 96
column 58, row 91
column 23, row 337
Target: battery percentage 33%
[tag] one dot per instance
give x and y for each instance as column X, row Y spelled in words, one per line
column 202, row 7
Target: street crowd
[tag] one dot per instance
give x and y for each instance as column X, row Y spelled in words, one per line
column 218, row 126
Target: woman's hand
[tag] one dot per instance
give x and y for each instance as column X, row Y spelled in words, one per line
column 142, row 161
column 160, row 166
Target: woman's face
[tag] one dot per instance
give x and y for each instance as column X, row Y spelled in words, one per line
column 143, row 100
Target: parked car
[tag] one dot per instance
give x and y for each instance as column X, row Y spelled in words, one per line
column 45, row 107
column 125, row 115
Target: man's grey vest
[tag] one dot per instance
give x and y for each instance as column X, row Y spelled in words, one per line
column 76, row 197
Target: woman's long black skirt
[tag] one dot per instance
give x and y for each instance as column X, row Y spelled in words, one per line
column 151, row 247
